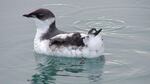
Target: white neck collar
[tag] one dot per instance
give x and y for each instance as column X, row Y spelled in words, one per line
column 42, row 26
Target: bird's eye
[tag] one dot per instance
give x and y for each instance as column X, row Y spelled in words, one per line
column 40, row 16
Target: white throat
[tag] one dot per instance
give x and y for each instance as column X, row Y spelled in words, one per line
column 42, row 26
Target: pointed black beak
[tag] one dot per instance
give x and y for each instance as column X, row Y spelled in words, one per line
column 28, row 15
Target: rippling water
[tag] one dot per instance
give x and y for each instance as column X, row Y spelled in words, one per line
column 126, row 31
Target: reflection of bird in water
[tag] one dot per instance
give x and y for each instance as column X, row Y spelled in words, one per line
column 51, row 70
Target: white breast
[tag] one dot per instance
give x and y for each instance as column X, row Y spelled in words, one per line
column 41, row 46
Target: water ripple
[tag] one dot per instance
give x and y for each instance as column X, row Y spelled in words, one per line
column 107, row 7
column 105, row 24
column 65, row 5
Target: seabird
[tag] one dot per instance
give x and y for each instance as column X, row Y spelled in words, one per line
column 49, row 40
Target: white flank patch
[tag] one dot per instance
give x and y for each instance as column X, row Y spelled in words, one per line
column 63, row 36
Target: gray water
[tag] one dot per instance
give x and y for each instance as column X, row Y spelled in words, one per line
column 126, row 31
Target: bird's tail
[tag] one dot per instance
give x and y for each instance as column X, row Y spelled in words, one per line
column 94, row 32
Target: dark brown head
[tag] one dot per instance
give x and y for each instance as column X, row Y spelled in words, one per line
column 41, row 14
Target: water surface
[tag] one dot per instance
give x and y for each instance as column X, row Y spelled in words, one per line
column 126, row 31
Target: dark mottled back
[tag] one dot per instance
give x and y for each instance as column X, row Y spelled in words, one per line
column 74, row 40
